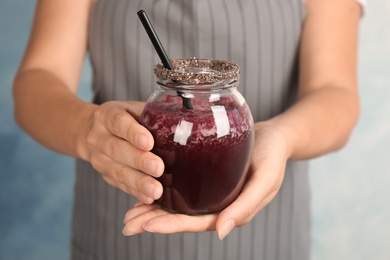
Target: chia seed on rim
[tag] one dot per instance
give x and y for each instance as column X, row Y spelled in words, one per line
column 198, row 71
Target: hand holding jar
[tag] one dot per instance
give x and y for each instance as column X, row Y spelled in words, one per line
column 118, row 147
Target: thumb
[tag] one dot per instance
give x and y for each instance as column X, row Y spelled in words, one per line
column 255, row 195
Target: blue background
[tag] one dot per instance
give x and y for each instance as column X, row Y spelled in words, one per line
column 351, row 189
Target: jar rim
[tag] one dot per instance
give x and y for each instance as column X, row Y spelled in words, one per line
column 195, row 71
column 200, row 87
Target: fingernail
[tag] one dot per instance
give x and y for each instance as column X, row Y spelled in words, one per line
column 150, row 190
column 148, row 229
column 151, row 167
column 145, row 199
column 142, row 141
column 226, row 228
column 125, row 232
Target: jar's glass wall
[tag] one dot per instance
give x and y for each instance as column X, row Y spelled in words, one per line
column 205, row 149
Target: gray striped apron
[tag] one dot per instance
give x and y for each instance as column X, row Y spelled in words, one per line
column 262, row 36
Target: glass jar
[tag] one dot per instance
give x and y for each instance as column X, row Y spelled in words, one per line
column 203, row 131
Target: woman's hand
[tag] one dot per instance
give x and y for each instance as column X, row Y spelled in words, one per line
column 118, row 147
column 264, row 180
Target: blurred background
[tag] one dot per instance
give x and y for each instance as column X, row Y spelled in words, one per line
column 351, row 188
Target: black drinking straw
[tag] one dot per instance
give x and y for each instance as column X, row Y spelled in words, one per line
column 160, row 49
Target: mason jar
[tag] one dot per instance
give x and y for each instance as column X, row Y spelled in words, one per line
column 203, row 131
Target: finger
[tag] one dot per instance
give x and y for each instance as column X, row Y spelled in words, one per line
column 178, row 223
column 142, row 184
column 138, row 210
column 257, row 193
column 139, row 195
column 124, row 153
column 136, row 225
column 144, row 187
column 118, row 121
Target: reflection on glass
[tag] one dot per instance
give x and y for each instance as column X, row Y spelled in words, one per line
column 221, row 120
column 183, row 131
